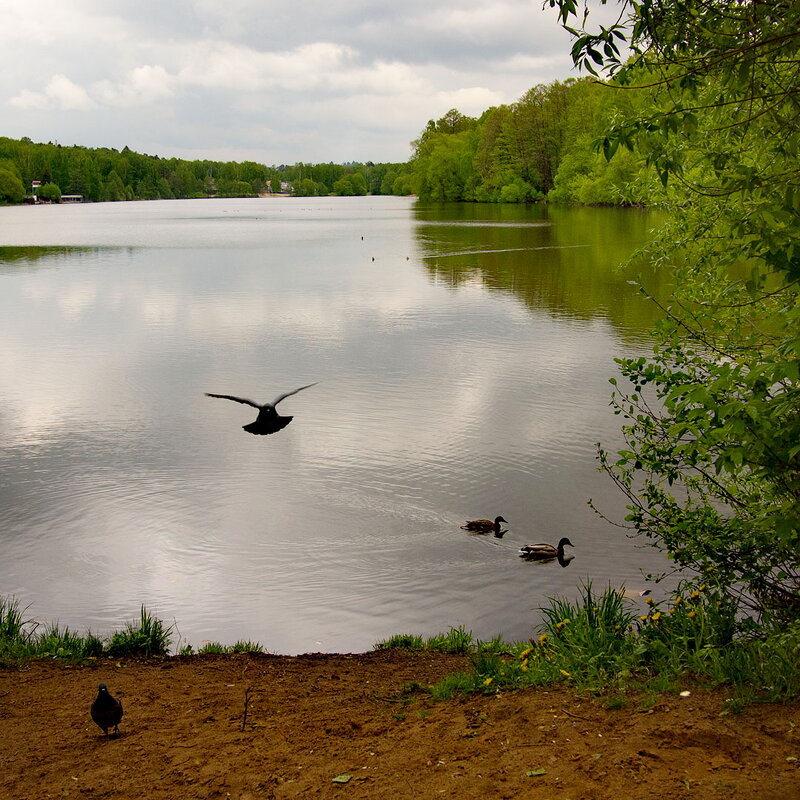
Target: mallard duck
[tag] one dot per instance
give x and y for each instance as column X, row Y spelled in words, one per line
column 106, row 710
column 544, row 552
column 268, row 419
column 485, row 526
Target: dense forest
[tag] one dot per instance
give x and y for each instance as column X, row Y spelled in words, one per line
column 104, row 174
column 541, row 147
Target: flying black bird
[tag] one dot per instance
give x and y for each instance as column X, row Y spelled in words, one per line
column 268, row 419
column 106, row 710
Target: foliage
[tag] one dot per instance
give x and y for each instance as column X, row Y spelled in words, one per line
column 12, row 621
column 11, row 188
column 148, row 637
column 351, row 184
column 711, row 466
column 456, row 640
column 21, row 639
column 49, row 191
column 219, row 649
column 604, row 643
column 57, row 642
column 541, row 146
column 105, row 174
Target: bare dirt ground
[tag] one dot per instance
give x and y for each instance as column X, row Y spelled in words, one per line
column 311, row 719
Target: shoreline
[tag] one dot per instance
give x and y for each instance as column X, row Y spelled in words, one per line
column 250, row 726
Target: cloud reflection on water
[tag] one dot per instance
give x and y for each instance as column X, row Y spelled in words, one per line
column 125, row 485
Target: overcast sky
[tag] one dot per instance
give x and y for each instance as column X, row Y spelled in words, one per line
column 273, row 81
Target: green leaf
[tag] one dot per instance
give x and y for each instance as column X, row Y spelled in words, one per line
column 344, row 777
column 535, row 773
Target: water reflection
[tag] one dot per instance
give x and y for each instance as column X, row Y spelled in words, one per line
column 436, row 398
column 566, row 261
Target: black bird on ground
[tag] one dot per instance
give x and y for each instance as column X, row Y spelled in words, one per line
column 268, row 419
column 106, row 710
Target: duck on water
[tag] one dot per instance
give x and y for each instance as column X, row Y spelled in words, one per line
column 485, row 526
column 545, row 552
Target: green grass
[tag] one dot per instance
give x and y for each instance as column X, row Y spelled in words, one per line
column 237, row 647
column 456, row 640
column 57, row 642
column 148, row 637
column 603, row 644
column 599, row 643
column 12, row 622
column 22, row 638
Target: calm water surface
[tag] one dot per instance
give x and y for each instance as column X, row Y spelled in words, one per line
column 463, row 355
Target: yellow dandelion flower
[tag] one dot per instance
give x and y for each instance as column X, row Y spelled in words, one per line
column 565, row 673
column 694, row 595
column 656, row 617
column 543, row 638
column 702, row 588
column 692, row 614
column 678, row 600
column 525, row 653
column 672, row 611
column 524, row 666
column 644, row 616
column 649, row 601
column 488, row 681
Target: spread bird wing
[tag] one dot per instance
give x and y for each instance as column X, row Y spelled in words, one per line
column 294, row 391
column 235, row 399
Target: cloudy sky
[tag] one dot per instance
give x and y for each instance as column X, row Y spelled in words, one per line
column 274, row 81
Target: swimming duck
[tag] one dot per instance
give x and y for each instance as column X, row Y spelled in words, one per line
column 485, row 526
column 268, row 419
column 544, row 552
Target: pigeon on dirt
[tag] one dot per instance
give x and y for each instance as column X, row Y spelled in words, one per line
column 106, row 710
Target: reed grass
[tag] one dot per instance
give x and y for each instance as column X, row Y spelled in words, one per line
column 455, row 640
column 237, row 647
column 148, row 637
column 602, row 643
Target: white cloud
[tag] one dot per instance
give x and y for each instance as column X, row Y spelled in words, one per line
column 238, row 68
column 479, row 22
column 320, row 81
column 141, row 86
column 60, row 93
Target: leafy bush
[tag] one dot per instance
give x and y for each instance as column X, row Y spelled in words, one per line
column 603, row 643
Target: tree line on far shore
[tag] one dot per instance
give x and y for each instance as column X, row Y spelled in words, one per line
column 105, row 174
column 542, row 147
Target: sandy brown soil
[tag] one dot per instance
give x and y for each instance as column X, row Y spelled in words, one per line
column 313, row 718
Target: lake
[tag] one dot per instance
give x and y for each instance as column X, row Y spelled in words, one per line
column 462, row 354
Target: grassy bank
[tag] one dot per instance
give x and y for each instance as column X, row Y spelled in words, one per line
column 23, row 638
column 600, row 643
